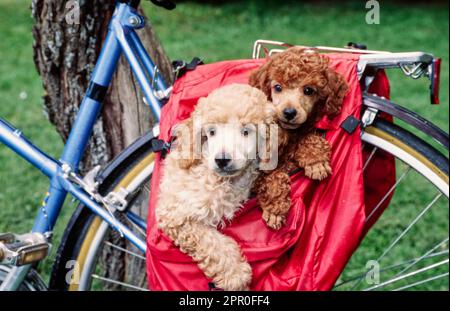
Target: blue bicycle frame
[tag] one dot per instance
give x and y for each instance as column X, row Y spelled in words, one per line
column 121, row 37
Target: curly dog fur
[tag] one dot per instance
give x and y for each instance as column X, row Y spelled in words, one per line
column 196, row 196
column 303, row 89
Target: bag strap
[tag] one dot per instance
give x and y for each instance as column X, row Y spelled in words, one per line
column 180, row 67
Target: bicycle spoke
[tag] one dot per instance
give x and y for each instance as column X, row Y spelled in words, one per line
column 409, row 226
column 124, row 250
column 370, row 157
column 421, row 282
column 403, row 233
column 423, row 256
column 391, row 267
column 95, row 276
column 408, row 168
column 396, row 279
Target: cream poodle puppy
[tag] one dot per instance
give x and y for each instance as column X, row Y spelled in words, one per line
column 208, row 175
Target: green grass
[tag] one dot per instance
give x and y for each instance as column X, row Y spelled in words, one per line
column 227, row 31
column 22, row 187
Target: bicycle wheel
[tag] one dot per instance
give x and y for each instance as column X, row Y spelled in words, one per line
column 407, row 248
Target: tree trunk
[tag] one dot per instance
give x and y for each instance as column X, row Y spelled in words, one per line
column 65, row 54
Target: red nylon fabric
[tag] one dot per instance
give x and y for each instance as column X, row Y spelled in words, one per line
column 326, row 221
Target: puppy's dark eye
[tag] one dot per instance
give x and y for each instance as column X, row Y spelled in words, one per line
column 211, row 132
column 308, row 90
column 277, row 88
column 245, row 131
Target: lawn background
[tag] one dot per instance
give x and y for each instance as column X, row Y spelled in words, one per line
column 227, row 31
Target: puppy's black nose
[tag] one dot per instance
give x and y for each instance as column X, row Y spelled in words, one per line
column 223, row 160
column 289, row 113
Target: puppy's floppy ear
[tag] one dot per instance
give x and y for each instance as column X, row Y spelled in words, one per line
column 189, row 141
column 259, row 78
column 337, row 88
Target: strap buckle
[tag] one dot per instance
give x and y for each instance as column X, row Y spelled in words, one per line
column 159, row 145
column 180, row 67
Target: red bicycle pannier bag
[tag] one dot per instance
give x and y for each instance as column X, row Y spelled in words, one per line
column 326, row 221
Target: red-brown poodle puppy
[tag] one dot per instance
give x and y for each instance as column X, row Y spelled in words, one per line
column 303, row 89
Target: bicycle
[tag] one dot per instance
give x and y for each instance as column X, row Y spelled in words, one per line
column 109, row 196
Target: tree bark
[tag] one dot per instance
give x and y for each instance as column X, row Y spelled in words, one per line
column 65, row 55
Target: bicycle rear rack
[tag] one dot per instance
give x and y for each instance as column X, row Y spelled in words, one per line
column 413, row 64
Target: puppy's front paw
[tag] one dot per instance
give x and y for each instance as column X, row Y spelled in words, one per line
column 318, row 171
column 273, row 221
column 236, row 278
